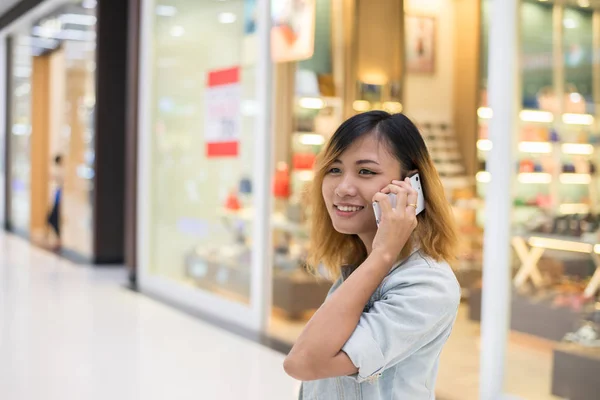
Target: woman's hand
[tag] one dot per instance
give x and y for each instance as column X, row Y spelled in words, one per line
column 396, row 224
column 318, row 356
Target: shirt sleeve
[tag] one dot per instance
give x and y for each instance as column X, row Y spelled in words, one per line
column 408, row 316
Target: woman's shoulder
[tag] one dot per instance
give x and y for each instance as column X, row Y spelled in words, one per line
column 426, row 273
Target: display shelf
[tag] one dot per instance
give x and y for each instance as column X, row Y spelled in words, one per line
column 555, row 178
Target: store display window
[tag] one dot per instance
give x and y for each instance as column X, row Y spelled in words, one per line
column 202, row 147
column 555, row 237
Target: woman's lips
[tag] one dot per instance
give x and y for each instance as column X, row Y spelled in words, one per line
column 347, row 211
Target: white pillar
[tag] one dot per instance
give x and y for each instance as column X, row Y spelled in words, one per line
column 502, row 84
column 262, row 249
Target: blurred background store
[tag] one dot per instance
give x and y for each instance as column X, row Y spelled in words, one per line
column 182, row 197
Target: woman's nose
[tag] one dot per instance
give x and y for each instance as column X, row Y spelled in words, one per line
column 345, row 189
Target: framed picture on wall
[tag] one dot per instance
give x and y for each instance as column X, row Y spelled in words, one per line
column 420, row 44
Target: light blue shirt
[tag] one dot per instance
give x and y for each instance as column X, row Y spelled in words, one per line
column 397, row 343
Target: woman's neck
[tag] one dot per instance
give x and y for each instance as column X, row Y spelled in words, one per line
column 367, row 239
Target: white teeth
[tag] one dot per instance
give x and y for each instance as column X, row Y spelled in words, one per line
column 348, row 208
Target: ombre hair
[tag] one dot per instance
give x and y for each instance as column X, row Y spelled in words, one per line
column 435, row 233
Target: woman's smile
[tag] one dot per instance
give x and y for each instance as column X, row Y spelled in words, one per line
column 347, row 210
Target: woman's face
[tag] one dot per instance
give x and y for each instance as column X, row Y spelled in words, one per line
column 352, row 180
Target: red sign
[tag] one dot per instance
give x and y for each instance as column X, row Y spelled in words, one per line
column 222, row 113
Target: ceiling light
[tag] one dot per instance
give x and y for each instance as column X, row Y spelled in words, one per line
column 165, row 11
column 21, row 130
column 535, row 147
column 575, row 97
column 227, row 18
column 361, row 105
column 575, row 179
column 578, row 119
column 89, row 4
column 43, row 32
column 583, row 3
column 78, row 19
column 393, row 106
column 536, row 116
column 484, row 144
column 569, row 23
column 313, row 103
column 312, row 139
column 485, row 113
column 577, row 148
column 65, row 34
column 483, row 177
column 306, row 176
column 534, row 177
column 177, row 31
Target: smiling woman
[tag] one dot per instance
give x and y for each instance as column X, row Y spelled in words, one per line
column 395, row 299
column 365, row 154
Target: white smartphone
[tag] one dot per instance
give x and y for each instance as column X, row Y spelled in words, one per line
column 415, row 182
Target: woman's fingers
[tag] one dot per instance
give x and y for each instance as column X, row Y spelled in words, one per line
column 406, row 198
column 412, row 194
column 384, row 203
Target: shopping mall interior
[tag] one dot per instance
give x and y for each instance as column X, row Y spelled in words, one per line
column 197, row 200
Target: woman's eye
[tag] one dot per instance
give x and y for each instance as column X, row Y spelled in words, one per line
column 366, row 172
column 333, row 170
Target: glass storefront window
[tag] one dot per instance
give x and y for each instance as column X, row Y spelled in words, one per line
column 555, row 222
column 20, row 98
column 578, row 53
column 53, row 93
column 202, row 145
column 555, row 228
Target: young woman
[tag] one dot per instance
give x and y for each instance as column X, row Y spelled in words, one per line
column 381, row 330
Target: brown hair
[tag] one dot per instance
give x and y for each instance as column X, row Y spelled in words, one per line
column 435, row 234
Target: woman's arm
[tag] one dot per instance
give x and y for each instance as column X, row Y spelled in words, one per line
column 317, row 353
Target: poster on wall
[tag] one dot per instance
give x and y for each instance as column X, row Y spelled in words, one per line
column 420, row 44
column 293, row 28
column 222, row 112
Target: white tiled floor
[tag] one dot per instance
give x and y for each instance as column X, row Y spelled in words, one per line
column 71, row 332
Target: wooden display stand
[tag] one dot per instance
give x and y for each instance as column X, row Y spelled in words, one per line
column 530, row 256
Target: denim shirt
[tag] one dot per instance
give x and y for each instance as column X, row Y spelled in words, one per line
column 397, row 343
